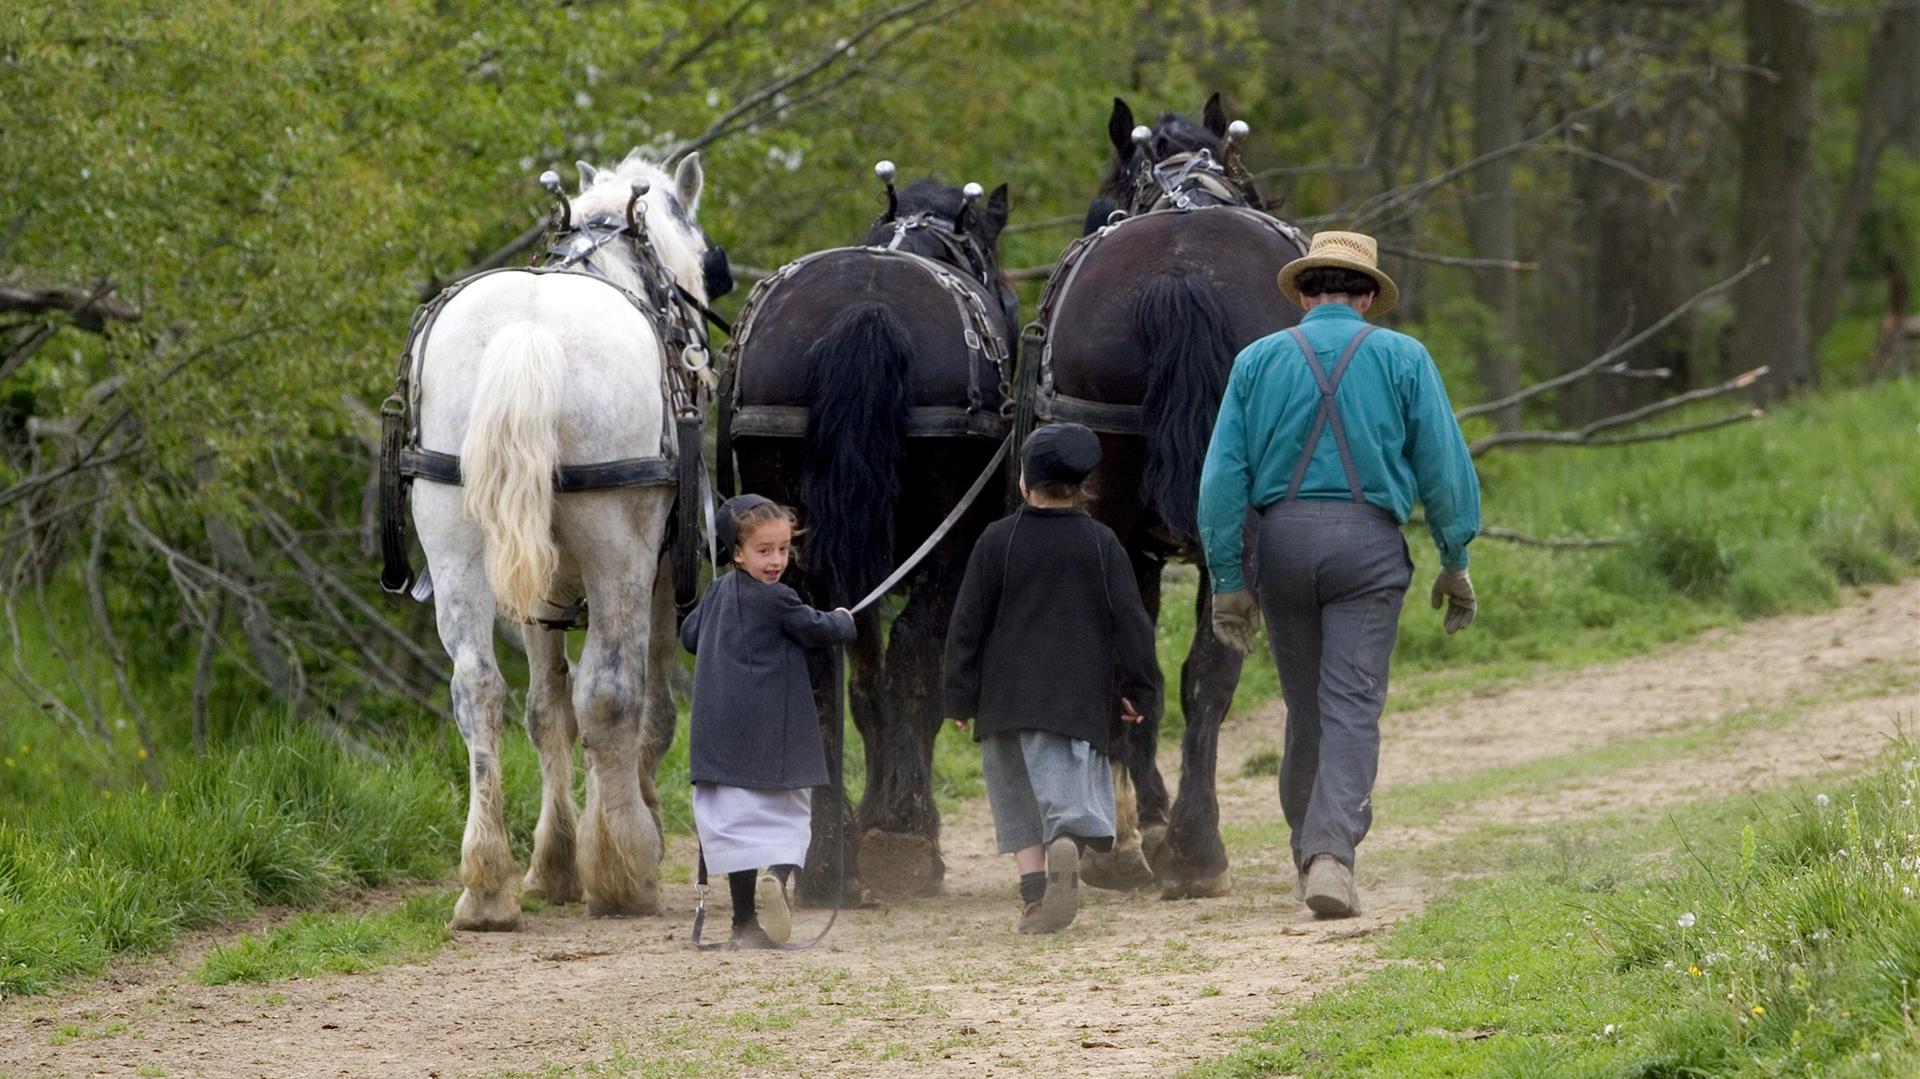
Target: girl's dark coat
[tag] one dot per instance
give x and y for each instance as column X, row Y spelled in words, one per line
column 754, row 723
column 1049, row 631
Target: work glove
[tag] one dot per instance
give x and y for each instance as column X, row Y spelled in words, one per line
column 1236, row 618
column 1453, row 587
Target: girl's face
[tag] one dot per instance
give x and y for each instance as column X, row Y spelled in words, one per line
column 763, row 552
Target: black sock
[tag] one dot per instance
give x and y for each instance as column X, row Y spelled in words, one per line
column 740, row 884
column 1100, row 844
column 1033, row 886
column 784, row 873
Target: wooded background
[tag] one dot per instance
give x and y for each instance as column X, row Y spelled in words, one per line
column 218, row 216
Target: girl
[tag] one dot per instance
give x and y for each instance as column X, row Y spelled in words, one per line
column 1047, row 627
column 756, row 749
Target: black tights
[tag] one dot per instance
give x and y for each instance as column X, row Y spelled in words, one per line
column 740, row 885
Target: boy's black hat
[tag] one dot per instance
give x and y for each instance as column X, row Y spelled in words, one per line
column 1060, row 453
column 726, row 523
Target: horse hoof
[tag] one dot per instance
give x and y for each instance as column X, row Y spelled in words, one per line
column 1211, row 886
column 1121, row 869
column 497, row 913
column 896, row 866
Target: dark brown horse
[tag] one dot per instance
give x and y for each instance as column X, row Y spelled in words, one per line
column 1137, row 330
column 868, row 389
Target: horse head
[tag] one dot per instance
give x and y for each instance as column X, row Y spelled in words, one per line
column 656, row 213
column 944, row 223
column 1174, row 162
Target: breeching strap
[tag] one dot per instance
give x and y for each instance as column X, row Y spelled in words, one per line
column 835, row 772
column 1327, row 414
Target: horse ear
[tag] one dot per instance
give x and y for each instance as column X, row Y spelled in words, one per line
column 588, row 174
column 1120, row 129
column 1215, row 116
column 688, row 180
column 998, row 205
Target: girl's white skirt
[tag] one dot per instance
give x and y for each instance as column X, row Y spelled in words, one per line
column 744, row 828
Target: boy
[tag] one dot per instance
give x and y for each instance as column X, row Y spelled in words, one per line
column 1048, row 623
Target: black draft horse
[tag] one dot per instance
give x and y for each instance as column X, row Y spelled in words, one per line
column 868, row 388
column 1137, row 331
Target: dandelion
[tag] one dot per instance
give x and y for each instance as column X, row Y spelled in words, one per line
column 1685, row 921
column 1609, row 1032
column 1821, row 800
column 141, row 753
column 1759, row 1010
column 1694, row 971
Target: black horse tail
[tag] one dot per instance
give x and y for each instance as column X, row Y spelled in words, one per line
column 858, row 394
column 1181, row 323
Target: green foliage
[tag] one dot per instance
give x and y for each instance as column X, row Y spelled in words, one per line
column 333, row 943
column 1783, row 941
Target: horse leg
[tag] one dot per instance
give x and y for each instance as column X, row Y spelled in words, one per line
column 463, row 608
column 616, row 537
column 659, row 718
column 552, row 873
column 1193, row 861
column 1139, row 794
column 900, row 846
column 833, row 817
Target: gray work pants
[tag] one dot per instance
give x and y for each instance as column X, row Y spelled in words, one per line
column 1331, row 576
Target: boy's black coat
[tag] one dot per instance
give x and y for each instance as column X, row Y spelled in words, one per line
column 1049, row 631
column 754, row 723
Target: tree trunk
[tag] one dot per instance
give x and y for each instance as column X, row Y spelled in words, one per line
column 1770, row 307
column 1887, row 108
column 1490, row 213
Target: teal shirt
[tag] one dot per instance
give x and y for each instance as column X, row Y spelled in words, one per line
column 1406, row 444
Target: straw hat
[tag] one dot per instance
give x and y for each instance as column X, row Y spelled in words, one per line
column 1354, row 251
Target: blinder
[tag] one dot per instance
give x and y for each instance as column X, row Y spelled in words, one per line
column 715, row 271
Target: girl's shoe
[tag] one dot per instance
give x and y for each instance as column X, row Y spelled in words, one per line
column 770, row 902
column 1030, row 919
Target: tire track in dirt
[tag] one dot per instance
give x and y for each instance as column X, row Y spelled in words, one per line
column 1138, row 986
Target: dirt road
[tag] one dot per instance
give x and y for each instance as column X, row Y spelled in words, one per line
column 1137, row 986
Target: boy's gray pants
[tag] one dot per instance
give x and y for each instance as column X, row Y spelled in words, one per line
column 1331, row 578
column 1043, row 785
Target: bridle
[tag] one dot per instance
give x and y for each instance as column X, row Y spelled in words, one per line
column 960, row 247
column 1189, row 179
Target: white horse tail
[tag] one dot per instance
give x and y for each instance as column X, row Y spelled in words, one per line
column 507, row 462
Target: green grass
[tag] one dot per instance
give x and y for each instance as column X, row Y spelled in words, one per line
column 1777, row 937
column 334, row 943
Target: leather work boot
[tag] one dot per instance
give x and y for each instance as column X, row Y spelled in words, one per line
column 1329, row 888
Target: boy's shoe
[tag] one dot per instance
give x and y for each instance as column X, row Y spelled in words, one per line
column 1329, row 888
column 749, row 936
column 770, row 902
column 1062, row 899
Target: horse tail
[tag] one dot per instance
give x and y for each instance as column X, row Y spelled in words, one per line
column 858, row 395
column 507, row 462
column 1180, row 320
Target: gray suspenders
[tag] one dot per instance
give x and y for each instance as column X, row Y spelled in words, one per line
column 1327, row 414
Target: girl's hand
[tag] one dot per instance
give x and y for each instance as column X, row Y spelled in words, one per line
column 959, row 724
column 1128, row 714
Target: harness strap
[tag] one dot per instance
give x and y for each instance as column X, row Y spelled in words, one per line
column 437, row 467
column 1327, row 414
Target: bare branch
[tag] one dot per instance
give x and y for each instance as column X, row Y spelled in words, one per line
column 500, row 257
column 1611, row 355
column 720, row 127
column 88, row 308
column 1573, row 438
column 116, row 655
column 1458, row 260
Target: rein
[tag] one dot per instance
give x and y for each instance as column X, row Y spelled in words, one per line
column 834, row 766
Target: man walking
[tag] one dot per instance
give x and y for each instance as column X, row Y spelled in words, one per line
column 1330, row 431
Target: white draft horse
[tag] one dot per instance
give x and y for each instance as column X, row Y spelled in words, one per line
column 524, row 372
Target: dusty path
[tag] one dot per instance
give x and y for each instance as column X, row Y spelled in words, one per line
column 1137, row 986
